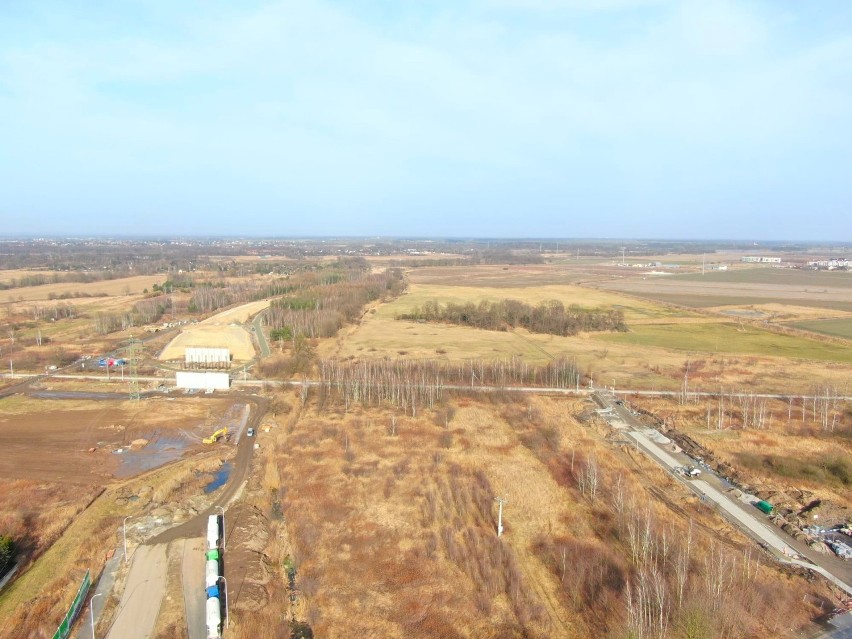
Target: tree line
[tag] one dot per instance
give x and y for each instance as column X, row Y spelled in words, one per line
column 320, row 302
column 551, row 317
column 413, row 385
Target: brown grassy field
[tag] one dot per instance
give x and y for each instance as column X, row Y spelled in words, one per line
column 7, row 275
column 389, row 523
column 123, row 286
column 745, row 357
column 713, row 291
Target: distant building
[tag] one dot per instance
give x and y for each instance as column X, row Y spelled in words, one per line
column 206, row 380
column 757, row 259
column 196, row 357
column 833, row 263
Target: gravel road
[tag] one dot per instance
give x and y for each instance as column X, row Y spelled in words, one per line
column 143, row 593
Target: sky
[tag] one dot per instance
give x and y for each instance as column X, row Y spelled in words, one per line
column 487, row 118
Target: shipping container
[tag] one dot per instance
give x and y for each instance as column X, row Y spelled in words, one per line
column 214, row 618
column 764, row 506
column 211, row 573
column 213, row 555
column 213, row 532
column 213, row 591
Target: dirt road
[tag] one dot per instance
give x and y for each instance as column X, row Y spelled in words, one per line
column 197, row 526
column 143, row 593
column 192, row 567
column 146, row 583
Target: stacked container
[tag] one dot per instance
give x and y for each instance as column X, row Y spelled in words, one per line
column 212, row 573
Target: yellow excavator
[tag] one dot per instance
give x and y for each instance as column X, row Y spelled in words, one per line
column 215, row 436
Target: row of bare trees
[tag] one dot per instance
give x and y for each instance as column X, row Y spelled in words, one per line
column 415, row 384
column 825, row 406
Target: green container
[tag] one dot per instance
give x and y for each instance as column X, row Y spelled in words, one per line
column 213, row 555
column 765, row 506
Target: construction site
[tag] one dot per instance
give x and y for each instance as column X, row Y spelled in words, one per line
column 463, row 486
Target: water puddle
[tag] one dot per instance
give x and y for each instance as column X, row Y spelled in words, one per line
column 157, row 452
column 220, row 478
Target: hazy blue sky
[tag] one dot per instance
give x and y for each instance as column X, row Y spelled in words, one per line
column 545, row 118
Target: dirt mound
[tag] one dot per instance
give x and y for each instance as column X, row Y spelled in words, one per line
column 245, row 561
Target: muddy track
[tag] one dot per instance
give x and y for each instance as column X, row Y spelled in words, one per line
column 196, row 526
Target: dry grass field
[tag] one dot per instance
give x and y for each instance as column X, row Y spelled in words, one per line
column 7, row 275
column 389, row 523
column 743, row 287
column 651, row 355
column 385, row 521
column 123, row 286
column 718, row 338
column 237, row 315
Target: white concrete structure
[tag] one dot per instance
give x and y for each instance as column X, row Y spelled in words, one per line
column 760, row 259
column 192, row 380
column 207, row 356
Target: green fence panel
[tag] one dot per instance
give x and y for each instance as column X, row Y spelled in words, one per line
column 65, row 627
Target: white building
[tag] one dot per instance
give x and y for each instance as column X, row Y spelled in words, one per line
column 198, row 357
column 758, row 259
column 202, row 380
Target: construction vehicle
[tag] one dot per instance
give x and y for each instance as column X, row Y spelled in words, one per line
column 215, row 436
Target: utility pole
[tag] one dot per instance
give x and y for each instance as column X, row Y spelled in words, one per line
column 133, row 361
column 703, row 255
column 92, row 611
column 500, row 501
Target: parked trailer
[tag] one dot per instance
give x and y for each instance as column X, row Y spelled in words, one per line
column 211, row 574
column 214, row 618
column 765, row 507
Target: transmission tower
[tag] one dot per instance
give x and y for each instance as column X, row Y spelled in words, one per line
column 133, row 356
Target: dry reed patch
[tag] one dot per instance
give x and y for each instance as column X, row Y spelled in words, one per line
column 370, row 559
column 635, row 494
